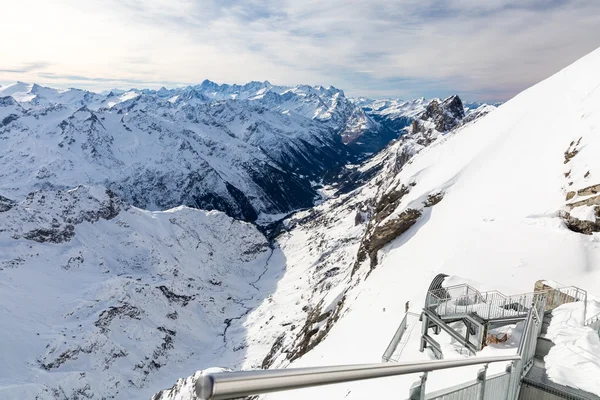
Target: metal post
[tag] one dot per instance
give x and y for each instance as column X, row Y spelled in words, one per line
column 515, row 379
column 584, row 308
column 417, row 390
column 424, row 329
column 481, row 379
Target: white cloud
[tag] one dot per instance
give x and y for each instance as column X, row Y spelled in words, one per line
column 485, row 50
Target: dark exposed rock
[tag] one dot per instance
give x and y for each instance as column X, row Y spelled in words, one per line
column 67, row 355
column 51, row 235
column 572, row 150
column 433, row 199
column 167, row 331
column 388, row 202
column 590, row 190
column 570, row 154
column 384, row 234
column 70, row 209
column 590, row 201
column 313, row 333
column 15, row 263
column 74, row 261
column 582, row 226
column 270, row 357
column 570, row 195
column 174, row 297
column 6, row 204
column 8, row 119
column 445, row 115
column 173, row 315
column 7, row 101
column 106, row 316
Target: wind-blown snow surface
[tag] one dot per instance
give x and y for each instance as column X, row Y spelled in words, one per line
column 573, row 360
column 504, row 180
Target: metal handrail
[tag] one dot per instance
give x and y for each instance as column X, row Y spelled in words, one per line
column 497, row 299
column 389, row 351
column 231, row 385
column 591, row 320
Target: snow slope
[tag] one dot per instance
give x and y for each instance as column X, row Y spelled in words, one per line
column 500, row 224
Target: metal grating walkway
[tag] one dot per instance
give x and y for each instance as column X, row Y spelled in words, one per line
column 538, row 379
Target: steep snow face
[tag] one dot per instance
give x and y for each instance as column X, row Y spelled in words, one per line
column 34, row 95
column 492, row 205
column 104, row 300
column 20, row 91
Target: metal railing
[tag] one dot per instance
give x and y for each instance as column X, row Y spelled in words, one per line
column 594, row 323
column 391, row 349
column 533, row 328
column 464, row 299
column 501, row 386
column 494, row 387
column 232, row 385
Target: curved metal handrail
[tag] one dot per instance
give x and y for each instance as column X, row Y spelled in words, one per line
column 231, row 385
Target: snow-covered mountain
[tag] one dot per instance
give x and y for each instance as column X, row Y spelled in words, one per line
column 128, row 300
column 499, row 202
column 103, row 300
column 253, row 150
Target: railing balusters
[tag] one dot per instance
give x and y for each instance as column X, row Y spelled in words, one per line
column 417, row 390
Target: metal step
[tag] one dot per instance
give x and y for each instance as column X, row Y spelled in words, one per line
column 543, row 347
column 546, row 322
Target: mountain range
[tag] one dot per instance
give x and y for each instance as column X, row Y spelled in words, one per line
column 255, row 151
column 118, row 279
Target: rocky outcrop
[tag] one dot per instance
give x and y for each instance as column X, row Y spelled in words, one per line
column 445, row 115
column 433, row 199
column 106, row 316
column 316, row 327
column 590, row 201
column 572, row 150
column 590, row 190
column 51, row 217
column 6, row 204
column 585, row 227
column 388, row 231
column 388, row 203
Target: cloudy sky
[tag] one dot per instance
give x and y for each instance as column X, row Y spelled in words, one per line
column 485, row 50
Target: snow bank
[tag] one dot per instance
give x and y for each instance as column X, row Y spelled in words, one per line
column 575, row 359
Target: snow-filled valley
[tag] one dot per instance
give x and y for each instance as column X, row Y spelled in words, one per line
column 116, row 283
